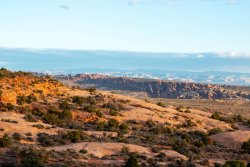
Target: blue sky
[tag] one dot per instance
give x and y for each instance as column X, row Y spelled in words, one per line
column 134, row 25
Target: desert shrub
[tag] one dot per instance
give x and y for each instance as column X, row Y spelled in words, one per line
column 214, row 131
column 187, row 111
column 32, row 158
column 66, row 114
column 10, row 106
column 124, row 127
column 113, row 112
column 125, row 150
column 155, row 150
column 90, row 108
column 38, row 112
column 132, row 161
column 217, row 164
column 246, row 146
column 183, row 163
column 238, row 118
column 17, row 136
column 216, row 116
column 10, row 121
column 157, row 129
column 61, row 138
column 161, row 104
column 83, row 151
column 100, row 125
column 99, row 113
column 111, row 106
column 181, row 146
column 124, row 101
column 30, row 118
column 53, row 110
column 234, row 163
column 150, row 123
column 91, row 100
column 65, row 105
column 151, row 162
column 31, row 98
column 39, row 126
column 28, row 134
column 46, row 140
column 112, row 124
column 20, row 100
column 74, row 136
column 202, row 136
column 78, row 100
column 180, row 108
column 188, row 123
column 5, row 141
column 161, row 155
column 55, row 117
column 30, row 139
column 92, row 90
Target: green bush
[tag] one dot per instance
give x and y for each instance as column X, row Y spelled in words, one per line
column 113, row 124
column 92, row 90
column 113, row 112
column 90, row 108
column 74, row 136
column 83, row 151
column 189, row 123
column 246, row 146
column 234, row 163
column 5, row 141
column 66, row 114
column 124, row 127
column 216, row 116
column 31, row 98
column 214, row 131
column 30, row 118
column 125, row 150
column 65, row 105
column 161, row 104
column 39, row 126
column 132, row 161
column 150, row 123
column 20, row 100
column 32, row 158
column 78, row 100
column 17, row 136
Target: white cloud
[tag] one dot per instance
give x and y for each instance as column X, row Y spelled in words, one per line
column 234, row 54
column 200, row 56
column 182, row 55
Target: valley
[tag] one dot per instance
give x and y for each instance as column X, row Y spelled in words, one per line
column 46, row 123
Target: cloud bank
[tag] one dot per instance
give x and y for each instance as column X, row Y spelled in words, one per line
column 234, row 54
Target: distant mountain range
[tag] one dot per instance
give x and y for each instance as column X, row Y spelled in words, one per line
column 166, row 66
column 156, row 88
column 212, row 77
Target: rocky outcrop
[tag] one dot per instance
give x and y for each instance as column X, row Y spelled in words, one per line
column 157, row 88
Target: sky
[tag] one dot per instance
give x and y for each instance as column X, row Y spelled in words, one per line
column 131, row 25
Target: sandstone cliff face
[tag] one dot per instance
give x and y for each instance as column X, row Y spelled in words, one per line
column 157, row 88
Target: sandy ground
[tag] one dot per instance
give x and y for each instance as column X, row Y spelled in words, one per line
column 231, row 139
column 22, row 126
column 103, row 149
